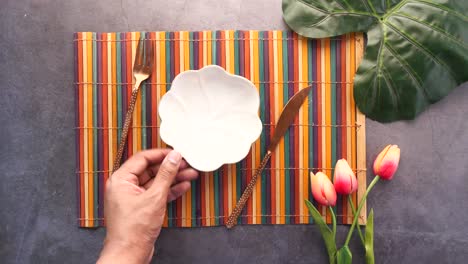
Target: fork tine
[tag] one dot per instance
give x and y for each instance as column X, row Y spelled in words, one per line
column 139, row 54
column 149, row 53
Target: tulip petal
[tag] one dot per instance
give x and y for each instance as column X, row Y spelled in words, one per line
column 341, row 185
column 330, row 193
column 387, row 170
column 322, row 189
column 379, row 159
column 386, row 163
column 344, row 180
column 316, row 187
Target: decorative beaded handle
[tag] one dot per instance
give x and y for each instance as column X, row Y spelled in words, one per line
column 248, row 191
column 128, row 119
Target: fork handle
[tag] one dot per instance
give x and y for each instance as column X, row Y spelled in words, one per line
column 248, row 191
column 128, row 119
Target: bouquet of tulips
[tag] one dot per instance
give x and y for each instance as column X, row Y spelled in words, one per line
column 345, row 183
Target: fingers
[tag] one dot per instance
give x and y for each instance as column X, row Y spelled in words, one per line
column 138, row 163
column 188, row 174
column 169, row 169
column 151, row 172
column 166, row 174
column 178, row 190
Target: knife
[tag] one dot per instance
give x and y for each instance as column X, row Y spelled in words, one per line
column 285, row 120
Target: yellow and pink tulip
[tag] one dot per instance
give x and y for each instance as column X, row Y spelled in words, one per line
column 344, row 180
column 322, row 189
column 386, row 163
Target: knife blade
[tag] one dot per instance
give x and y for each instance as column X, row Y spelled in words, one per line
column 287, row 116
column 284, row 121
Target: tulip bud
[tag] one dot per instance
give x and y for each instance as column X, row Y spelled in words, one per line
column 322, row 189
column 344, row 180
column 386, row 163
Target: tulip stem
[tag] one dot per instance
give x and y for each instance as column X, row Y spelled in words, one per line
column 354, row 214
column 361, row 204
column 333, row 220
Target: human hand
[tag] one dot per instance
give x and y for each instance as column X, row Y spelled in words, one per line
column 135, row 203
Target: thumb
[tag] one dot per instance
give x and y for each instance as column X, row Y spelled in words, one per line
column 166, row 174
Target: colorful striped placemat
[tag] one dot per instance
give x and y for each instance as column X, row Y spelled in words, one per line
column 327, row 128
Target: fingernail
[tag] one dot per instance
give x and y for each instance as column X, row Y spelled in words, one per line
column 174, row 157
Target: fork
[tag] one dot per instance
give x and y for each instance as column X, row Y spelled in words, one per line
column 142, row 69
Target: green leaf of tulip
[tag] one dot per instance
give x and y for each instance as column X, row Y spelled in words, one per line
column 344, row 256
column 369, row 238
column 327, row 233
column 417, row 50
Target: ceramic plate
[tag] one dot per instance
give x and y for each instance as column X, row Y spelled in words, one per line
column 210, row 117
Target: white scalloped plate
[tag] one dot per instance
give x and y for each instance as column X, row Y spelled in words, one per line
column 210, row 117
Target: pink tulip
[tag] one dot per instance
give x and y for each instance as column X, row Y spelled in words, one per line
column 345, row 181
column 386, row 163
column 322, row 189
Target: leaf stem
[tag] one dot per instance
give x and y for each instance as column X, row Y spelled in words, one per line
column 372, row 7
column 333, row 220
column 361, row 203
column 393, row 9
column 348, row 5
column 350, row 201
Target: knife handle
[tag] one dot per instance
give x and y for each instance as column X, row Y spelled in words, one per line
column 232, row 220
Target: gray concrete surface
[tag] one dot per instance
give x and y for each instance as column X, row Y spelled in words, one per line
column 420, row 215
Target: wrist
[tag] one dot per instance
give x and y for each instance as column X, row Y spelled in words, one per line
column 123, row 252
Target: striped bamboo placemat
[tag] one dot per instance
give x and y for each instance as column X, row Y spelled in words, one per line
column 279, row 63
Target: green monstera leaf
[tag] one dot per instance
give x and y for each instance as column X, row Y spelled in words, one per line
column 417, row 50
